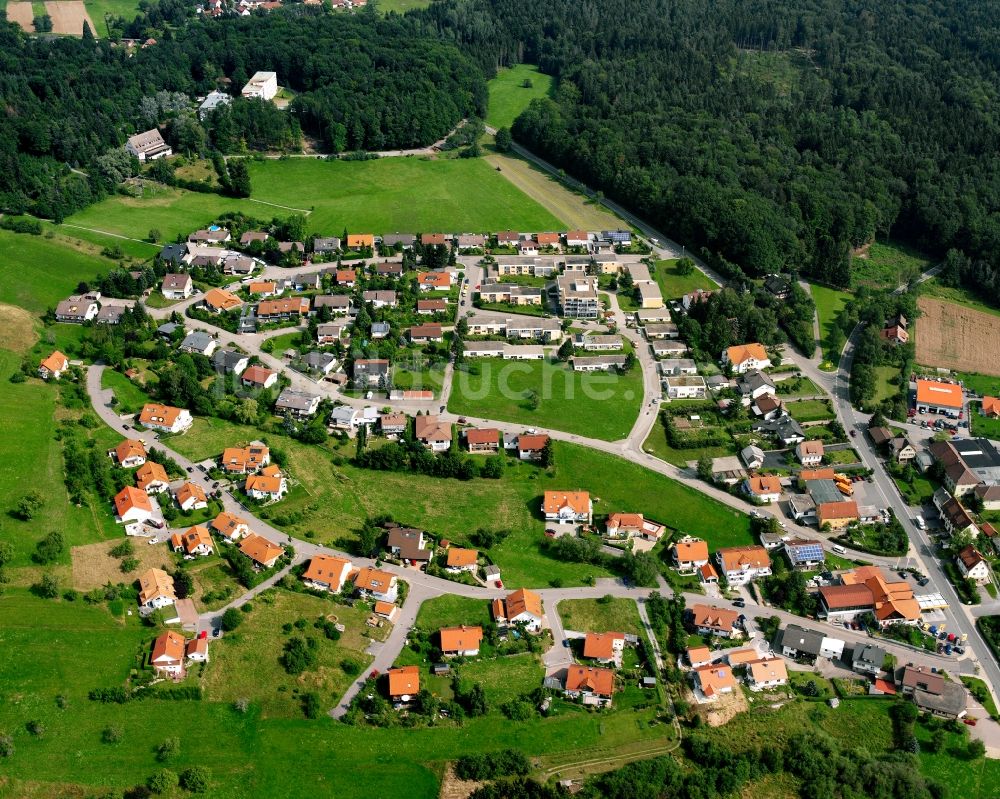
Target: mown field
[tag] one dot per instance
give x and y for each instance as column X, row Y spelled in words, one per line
column 673, row 284
column 829, row 302
column 509, row 97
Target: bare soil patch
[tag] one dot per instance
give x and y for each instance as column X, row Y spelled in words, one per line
column 23, row 15
column 454, row 788
column 17, row 329
column 68, row 17
column 94, row 567
column 955, row 337
column 725, row 708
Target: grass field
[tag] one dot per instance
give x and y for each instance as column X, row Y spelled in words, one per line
column 37, row 272
column 595, row 404
column 809, row 410
column 451, row 611
column 803, row 387
column 673, row 285
column 962, row 296
column 887, row 265
column 985, row 427
column 401, row 6
column 508, row 97
column 656, row 444
column 363, row 196
column 885, row 385
column 598, row 616
column 828, row 304
column 130, row 397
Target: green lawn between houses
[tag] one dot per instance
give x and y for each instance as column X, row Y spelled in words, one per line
column 508, row 97
column 383, row 195
column 333, row 500
column 600, row 616
column 674, row 285
column 809, row 410
column 596, row 404
column 130, row 397
column 828, row 304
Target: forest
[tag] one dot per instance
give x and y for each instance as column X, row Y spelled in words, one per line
column 359, row 82
column 772, row 134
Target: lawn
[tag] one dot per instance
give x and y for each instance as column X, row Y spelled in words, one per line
column 920, row 491
column 886, row 382
column 656, row 444
column 99, row 9
column 793, row 387
column 401, row 6
column 829, row 302
column 601, row 616
column 130, row 396
column 246, row 663
column 984, row 426
column 810, row 410
column 846, row 457
column 508, row 97
column 673, row 285
column 887, row 265
column 968, row 779
column 416, row 374
column 452, row 611
column 37, row 272
column 504, row 678
column 595, row 404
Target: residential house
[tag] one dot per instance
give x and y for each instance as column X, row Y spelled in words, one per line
column 768, row 407
column 810, row 453
column 766, row 673
column 597, row 343
column 778, row 287
column 752, row 456
column 251, row 236
column 746, row 357
column 167, row 656
column 327, row 573
column 989, row 495
column 973, row 565
column 430, row 307
column 191, row 496
column 577, row 294
column 152, row 478
column 661, row 331
column 262, row 86
column 685, row 387
column 326, row 244
column 698, row 656
column 54, row 366
column 434, row 281
column 370, row 372
column 199, row 343
column 678, row 366
column 483, row 440
column 592, row 686
column 148, row 146
column 798, row 642
column 713, row 620
column 197, row 648
column 230, row 362
column 393, row 270
column 260, row 550
column 530, row 447
column 753, row 385
column 434, row 434
column 577, row 238
column 387, row 610
column 131, row 452
column 408, row 543
column 299, row 404
column 393, row 424
column 668, row 349
column 194, row 541
column 712, row 681
column 245, row 460
column 112, row 314
column 623, row 525
column 177, row 286
column 338, row 304
column 605, row 648
column 420, row 334
column 568, row 506
column 376, row 584
column 280, row 309
column 238, row 265
column 267, row 486
column 956, row 519
column 329, row 333
column 460, row 641
column 156, row 589
column 386, row 298
column 804, row 554
column 470, row 241
column 521, row 607
column 264, row 288
column 259, row 377
column 462, row 560
column 763, row 487
column 931, row 692
column 741, row 565
column 990, row 407
column 690, row 554
column 867, row 659
column 598, row 363
column 404, row 683
column 77, row 309
column 132, row 505
column 212, row 235
column 837, row 514
column 945, row 399
column 220, row 300
column 230, row 527
column 901, row 450
column 319, row 363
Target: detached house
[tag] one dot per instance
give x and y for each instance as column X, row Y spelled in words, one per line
column 191, row 496
column 746, row 357
column 53, row 367
column 299, row 404
column 434, row 281
column 245, row 460
column 77, row 309
column 261, row 551
column 529, row 447
column 483, row 440
column 591, row 685
column 763, row 487
column 973, row 565
column 741, row 565
column 766, row 673
column 710, row 619
column 165, row 418
column 690, row 554
column 604, row 647
column 376, row 584
column 220, row 300
column 156, row 589
column 712, row 681
column 434, row 434
column 152, row 478
column 148, row 146
column 195, row 541
column 258, row 377
column 404, row 683
column 568, row 506
column 129, row 453
column 462, row 560
column 327, row 573
column 132, row 505
column 177, row 286
column 269, row 485
column 168, row 654
column 810, row 453
column 522, row 607
column 230, row 527
column 460, row 641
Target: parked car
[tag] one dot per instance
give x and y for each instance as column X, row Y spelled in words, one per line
column 740, row 602
column 854, row 433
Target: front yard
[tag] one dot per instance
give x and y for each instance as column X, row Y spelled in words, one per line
column 606, row 615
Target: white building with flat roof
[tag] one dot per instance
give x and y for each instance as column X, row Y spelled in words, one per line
column 263, row 86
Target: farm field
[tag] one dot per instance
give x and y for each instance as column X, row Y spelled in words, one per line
column 99, row 9
column 829, row 302
column 601, row 616
column 957, row 294
column 68, row 17
column 673, row 285
column 954, row 336
column 21, row 13
column 508, row 97
column 595, row 404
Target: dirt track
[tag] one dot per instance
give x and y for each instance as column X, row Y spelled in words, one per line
column 21, row 13
column 68, row 17
column 955, row 337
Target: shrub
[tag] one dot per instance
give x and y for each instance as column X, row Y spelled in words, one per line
column 36, row 728
column 311, row 705
column 171, row 747
column 111, row 734
column 231, row 619
column 196, row 779
column 490, row 765
column 162, row 781
column 6, row 746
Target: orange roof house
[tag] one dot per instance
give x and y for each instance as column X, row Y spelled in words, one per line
column 229, row 526
column 286, row 306
column 547, row 239
column 381, row 585
column 434, row 280
column 195, row 541
column 260, row 550
column 714, row 680
column 584, row 681
column 932, row 394
column 624, row 524
column 690, row 553
column 221, row 300
column 763, row 485
column 740, row 657
column 132, row 504
column 461, row 640
column 991, row 406
column 327, row 572
column 156, row 589
column 404, row 682
column 356, row 241
column 152, row 477
column 746, row 356
column 486, row 439
column 164, row 417
column 168, row 653
column 433, row 239
column 240, row 460
column 258, row 376
column 129, row 453
column 743, row 564
column 519, row 607
column 459, row 558
column 604, row 647
column 567, row 506
column 837, row 514
column 713, row 619
column 191, row 496
column 53, row 366
column 767, row 673
column 266, row 486
column 825, row 473
column 699, row 656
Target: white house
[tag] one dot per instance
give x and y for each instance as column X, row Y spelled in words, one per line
column 148, row 146
column 973, row 565
column 746, row 357
column 522, row 607
column 168, row 654
column 156, row 589
column 744, row 564
column 165, row 418
column 262, row 86
column 132, row 505
column 177, row 286
column 377, row 584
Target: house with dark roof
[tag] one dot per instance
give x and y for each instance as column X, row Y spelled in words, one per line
column 867, row 658
column 932, row 692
